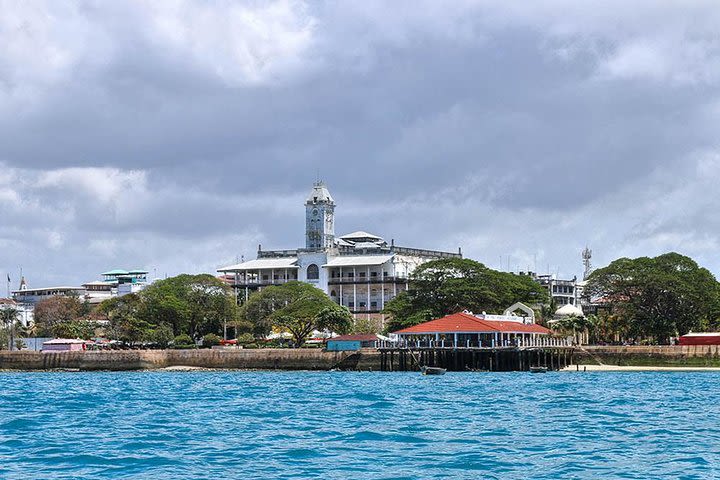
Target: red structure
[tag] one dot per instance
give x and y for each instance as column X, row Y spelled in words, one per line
column 712, row 338
column 466, row 323
column 485, row 330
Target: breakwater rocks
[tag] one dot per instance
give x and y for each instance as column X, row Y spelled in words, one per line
column 651, row 356
column 261, row 359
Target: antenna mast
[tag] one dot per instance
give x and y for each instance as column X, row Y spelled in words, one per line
column 586, row 256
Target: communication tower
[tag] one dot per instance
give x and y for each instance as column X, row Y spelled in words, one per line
column 586, row 256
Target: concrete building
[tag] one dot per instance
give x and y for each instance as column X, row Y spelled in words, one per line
column 359, row 270
column 563, row 292
column 114, row 283
column 25, row 316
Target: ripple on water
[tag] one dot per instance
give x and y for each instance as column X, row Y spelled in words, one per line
column 164, row 425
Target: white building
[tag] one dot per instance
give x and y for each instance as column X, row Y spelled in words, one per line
column 359, row 270
column 25, row 315
column 114, row 283
column 563, row 292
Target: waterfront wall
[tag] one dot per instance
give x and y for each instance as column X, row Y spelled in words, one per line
column 263, row 359
column 316, row 359
column 657, row 356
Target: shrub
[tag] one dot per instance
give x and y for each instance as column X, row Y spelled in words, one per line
column 245, row 338
column 251, row 345
column 211, row 340
column 183, row 341
column 163, row 336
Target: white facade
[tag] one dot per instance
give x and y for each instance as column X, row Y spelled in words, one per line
column 358, row 270
column 115, row 283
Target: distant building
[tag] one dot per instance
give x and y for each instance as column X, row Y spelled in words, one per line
column 344, row 343
column 25, row 316
column 563, row 292
column 63, row 345
column 359, row 270
column 31, row 296
column 115, row 283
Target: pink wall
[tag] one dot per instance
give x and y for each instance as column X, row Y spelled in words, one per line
column 62, row 347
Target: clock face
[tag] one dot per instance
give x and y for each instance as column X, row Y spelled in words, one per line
column 315, row 212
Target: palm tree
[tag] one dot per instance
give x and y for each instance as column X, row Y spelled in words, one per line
column 574, row 325
column 9, row 316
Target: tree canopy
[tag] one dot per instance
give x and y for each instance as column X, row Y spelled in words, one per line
column 296, row 307
column 63, row 316
column 9, row 317
column 657, row 297
column 193, row 305
column 450, row 285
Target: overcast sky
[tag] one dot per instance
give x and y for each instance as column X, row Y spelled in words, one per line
column 177, row 136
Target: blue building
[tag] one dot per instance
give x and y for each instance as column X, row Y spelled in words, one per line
column 345, row 343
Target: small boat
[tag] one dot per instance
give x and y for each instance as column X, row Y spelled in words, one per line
column 425, row 370
column 538, row 369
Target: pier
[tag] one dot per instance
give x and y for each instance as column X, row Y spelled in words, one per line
column 404, row 358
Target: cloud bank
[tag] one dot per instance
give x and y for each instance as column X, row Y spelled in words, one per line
column 177, row 136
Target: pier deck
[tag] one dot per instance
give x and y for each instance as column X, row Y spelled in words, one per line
column 460, row 359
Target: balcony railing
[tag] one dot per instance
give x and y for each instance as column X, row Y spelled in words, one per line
column 259, row 282
column 358, row 279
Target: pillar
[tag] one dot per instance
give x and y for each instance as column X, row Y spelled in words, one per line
column 367, row 285
column 355, row 305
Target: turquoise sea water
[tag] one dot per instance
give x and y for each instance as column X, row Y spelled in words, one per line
column 168, row 425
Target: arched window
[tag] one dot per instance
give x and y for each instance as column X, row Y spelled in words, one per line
column 313, row 272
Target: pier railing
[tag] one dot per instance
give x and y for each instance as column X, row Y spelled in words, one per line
column 539, row 342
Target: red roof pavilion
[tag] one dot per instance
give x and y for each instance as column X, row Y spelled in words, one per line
column 466, row 323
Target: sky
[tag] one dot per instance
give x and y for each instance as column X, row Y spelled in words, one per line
column 176, row 136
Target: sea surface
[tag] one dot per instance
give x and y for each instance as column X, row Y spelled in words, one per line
column 232, row 424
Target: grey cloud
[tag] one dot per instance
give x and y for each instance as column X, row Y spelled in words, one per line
column 517, row 131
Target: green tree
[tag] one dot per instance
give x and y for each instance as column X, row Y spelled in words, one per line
column 125, row 319
column 296, row 307
column 184, row 341
column 656, row 298
column 191, row 304
column 58, row 316
column 366, row 325
column 162, row 335
column 450, row 285
column 9, row 318
column 210, row 340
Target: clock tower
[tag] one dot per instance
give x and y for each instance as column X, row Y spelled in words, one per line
column 319, row 218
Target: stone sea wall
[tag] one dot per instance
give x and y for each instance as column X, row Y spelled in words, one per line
column 652, row 356
column 263, row 359
column 316, row 359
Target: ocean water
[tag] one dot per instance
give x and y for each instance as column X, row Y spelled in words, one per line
column 229, row 424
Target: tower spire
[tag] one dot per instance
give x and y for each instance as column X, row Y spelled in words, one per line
column 319, row 218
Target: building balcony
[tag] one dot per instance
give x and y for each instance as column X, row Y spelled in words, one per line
column 365, row 280
column 365, row 309
column 260, row 283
